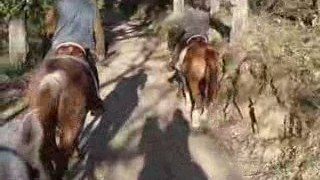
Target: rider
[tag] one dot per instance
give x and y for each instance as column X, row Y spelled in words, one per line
column 196, row 24
column 79, row 31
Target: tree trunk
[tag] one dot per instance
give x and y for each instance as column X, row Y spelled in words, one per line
column 317, row 5
column 239, row 19
column 214, row 6
column 18, row 46
column 178, row 6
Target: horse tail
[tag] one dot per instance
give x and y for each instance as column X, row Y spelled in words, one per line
column 211, row 75
column 203, row 87
column 46, row 93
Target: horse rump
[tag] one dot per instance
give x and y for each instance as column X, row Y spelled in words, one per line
column 201, row 71
column 61, row 92
column 211, row 76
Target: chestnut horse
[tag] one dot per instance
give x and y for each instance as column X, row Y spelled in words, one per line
column 199, row 72
column 61, row 92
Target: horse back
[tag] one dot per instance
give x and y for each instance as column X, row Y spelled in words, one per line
column 194, row 60
column 54, row 78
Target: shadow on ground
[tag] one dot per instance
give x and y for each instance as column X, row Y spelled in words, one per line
column 122, row 32
column 113, row 18
column 146, row 52
column 119, row 104
column 166, row 153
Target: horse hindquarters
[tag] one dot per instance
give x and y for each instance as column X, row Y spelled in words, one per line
column 195, row 74
column 72, row 110
column 211, row 76
column 71, row 115
column 44, row 93
column 60, row 97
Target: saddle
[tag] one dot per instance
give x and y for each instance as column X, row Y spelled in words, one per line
column 71, row 49
column 184, row 46
column 76, row 52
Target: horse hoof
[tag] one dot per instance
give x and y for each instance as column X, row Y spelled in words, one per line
column 98, row 111
column 79, row 154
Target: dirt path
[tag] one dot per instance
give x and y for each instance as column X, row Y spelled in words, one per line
column 143, row 134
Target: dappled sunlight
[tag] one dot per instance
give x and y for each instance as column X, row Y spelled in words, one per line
column 141, row 56
column 119, row 105
column 135, row 86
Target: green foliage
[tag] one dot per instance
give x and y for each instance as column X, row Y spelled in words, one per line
column 9, row 8
column 14, row 8
column 11, row 72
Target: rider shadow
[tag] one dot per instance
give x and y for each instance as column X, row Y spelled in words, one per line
column 167, row 154
column 119, row 105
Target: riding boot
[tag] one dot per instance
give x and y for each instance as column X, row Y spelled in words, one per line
column 97, row 103
column 91, row 61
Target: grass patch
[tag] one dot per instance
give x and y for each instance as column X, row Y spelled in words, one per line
column 11, row 72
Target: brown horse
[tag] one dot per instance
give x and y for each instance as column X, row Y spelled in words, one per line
column 61, row 92
column 199, row 69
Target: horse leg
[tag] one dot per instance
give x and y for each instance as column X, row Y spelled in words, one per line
column 47, row 116
column 191, row 97
column 195, row 96
column 195, row 92
column 95, row 103
column 71, row 117
column 182, row 84
column 212, row 73
column 49, row 147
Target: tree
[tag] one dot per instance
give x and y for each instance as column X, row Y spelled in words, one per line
column 178, row 6
column 13, row 12
column 18, row 46
column 239, row 19
column 17, row 13
column 214, row 6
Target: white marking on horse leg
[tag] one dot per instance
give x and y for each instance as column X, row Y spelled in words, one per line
column 181, row 58
column 196, row 119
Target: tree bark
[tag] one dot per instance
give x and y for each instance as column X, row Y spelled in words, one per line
column 178, row 6
column 239, row 20
column 317, row 5
column 99, row 36
column 18, row 46
column 214, row 6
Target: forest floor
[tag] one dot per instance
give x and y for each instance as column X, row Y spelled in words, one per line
column 144, row 132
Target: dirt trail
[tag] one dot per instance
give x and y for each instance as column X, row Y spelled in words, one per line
column 142, row 134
